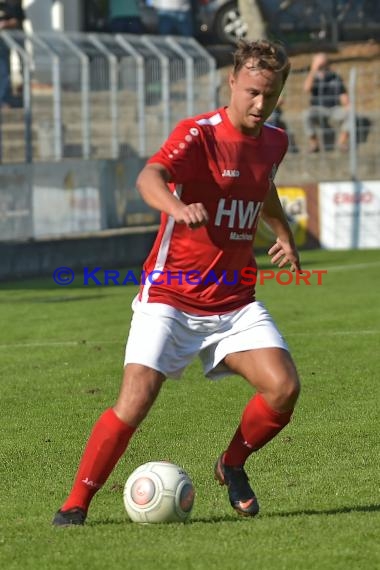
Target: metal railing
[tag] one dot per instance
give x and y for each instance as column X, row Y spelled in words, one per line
column 362, row 158
column 113, row 96
column 102, row 96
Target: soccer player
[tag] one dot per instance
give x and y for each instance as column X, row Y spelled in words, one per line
column 211, row 180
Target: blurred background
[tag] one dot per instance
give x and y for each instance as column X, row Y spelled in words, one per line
column 91, row 96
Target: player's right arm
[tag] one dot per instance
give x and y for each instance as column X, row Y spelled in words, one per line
column 152, row 185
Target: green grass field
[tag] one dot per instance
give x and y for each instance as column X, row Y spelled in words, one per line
column 318, row 482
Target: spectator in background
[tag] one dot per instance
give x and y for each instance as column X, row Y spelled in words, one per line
column 125, row 17
column 11, row 18
column 329, row 103
column 175, row 17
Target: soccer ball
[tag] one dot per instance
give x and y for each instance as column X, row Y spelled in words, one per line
column 158, row 492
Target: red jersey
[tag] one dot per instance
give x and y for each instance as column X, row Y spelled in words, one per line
column 210, row 161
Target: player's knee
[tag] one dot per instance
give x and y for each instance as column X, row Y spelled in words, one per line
column 285, row 393
column 139, row 390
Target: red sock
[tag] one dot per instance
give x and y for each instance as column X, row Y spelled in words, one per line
column 259, row 424
column 105, row 446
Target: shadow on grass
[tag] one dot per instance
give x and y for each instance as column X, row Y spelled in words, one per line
column 87, row 279
column 57, row 299
column 340, row 511
column 193, row 520
column 306, row 512
column 238, row 519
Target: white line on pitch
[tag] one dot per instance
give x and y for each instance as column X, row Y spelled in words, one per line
column 58, row 343
column 97, row 342
column 353, row 266
column 333, row 333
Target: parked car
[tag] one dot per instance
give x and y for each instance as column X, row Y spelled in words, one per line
column 219, row 21
column 215, row 20
column 295, row 20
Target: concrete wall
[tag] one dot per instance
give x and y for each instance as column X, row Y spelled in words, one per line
column 74, row 213
column 56, row 199
column 38, row 258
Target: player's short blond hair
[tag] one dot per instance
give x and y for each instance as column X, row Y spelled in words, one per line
column 265, row 55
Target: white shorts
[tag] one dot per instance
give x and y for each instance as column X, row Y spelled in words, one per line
column 168, row 340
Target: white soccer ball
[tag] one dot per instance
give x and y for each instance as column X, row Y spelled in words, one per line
column 158, row 492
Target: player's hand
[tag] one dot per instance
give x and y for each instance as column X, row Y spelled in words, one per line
column 193, row 215
column 284, row 252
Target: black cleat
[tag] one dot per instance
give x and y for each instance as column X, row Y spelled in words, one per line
column 75, row 516
column 242, row 497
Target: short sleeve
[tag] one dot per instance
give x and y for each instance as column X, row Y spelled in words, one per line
column 181, row 153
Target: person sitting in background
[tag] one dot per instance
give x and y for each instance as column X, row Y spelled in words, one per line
column 175, row 17
column 329, row 102
column 125, row 17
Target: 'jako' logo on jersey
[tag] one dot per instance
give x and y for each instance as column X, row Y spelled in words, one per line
column 231, row 173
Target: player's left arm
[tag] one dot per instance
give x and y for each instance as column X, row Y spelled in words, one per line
column 284, row 251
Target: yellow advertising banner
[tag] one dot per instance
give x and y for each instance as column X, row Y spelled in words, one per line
column 294, row 202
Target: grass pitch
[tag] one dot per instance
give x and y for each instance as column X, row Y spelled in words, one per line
column 318, row 484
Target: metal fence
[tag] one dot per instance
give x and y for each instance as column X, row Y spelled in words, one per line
column 102, row 96
column 362, row 159
column 96, row 96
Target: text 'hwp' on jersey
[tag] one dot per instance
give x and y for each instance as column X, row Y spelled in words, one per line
column 239, row 214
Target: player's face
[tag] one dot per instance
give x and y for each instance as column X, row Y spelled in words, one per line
column 254, row 94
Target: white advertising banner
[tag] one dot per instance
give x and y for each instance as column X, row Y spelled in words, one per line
column 349, row 214
column 66, row 198
column 59, row 211
column 16, row 220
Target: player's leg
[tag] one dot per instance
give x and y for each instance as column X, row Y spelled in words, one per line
column 109, row 439
column 139, row 390
column 249, row 344
column 272, row 372
column 171, row 349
